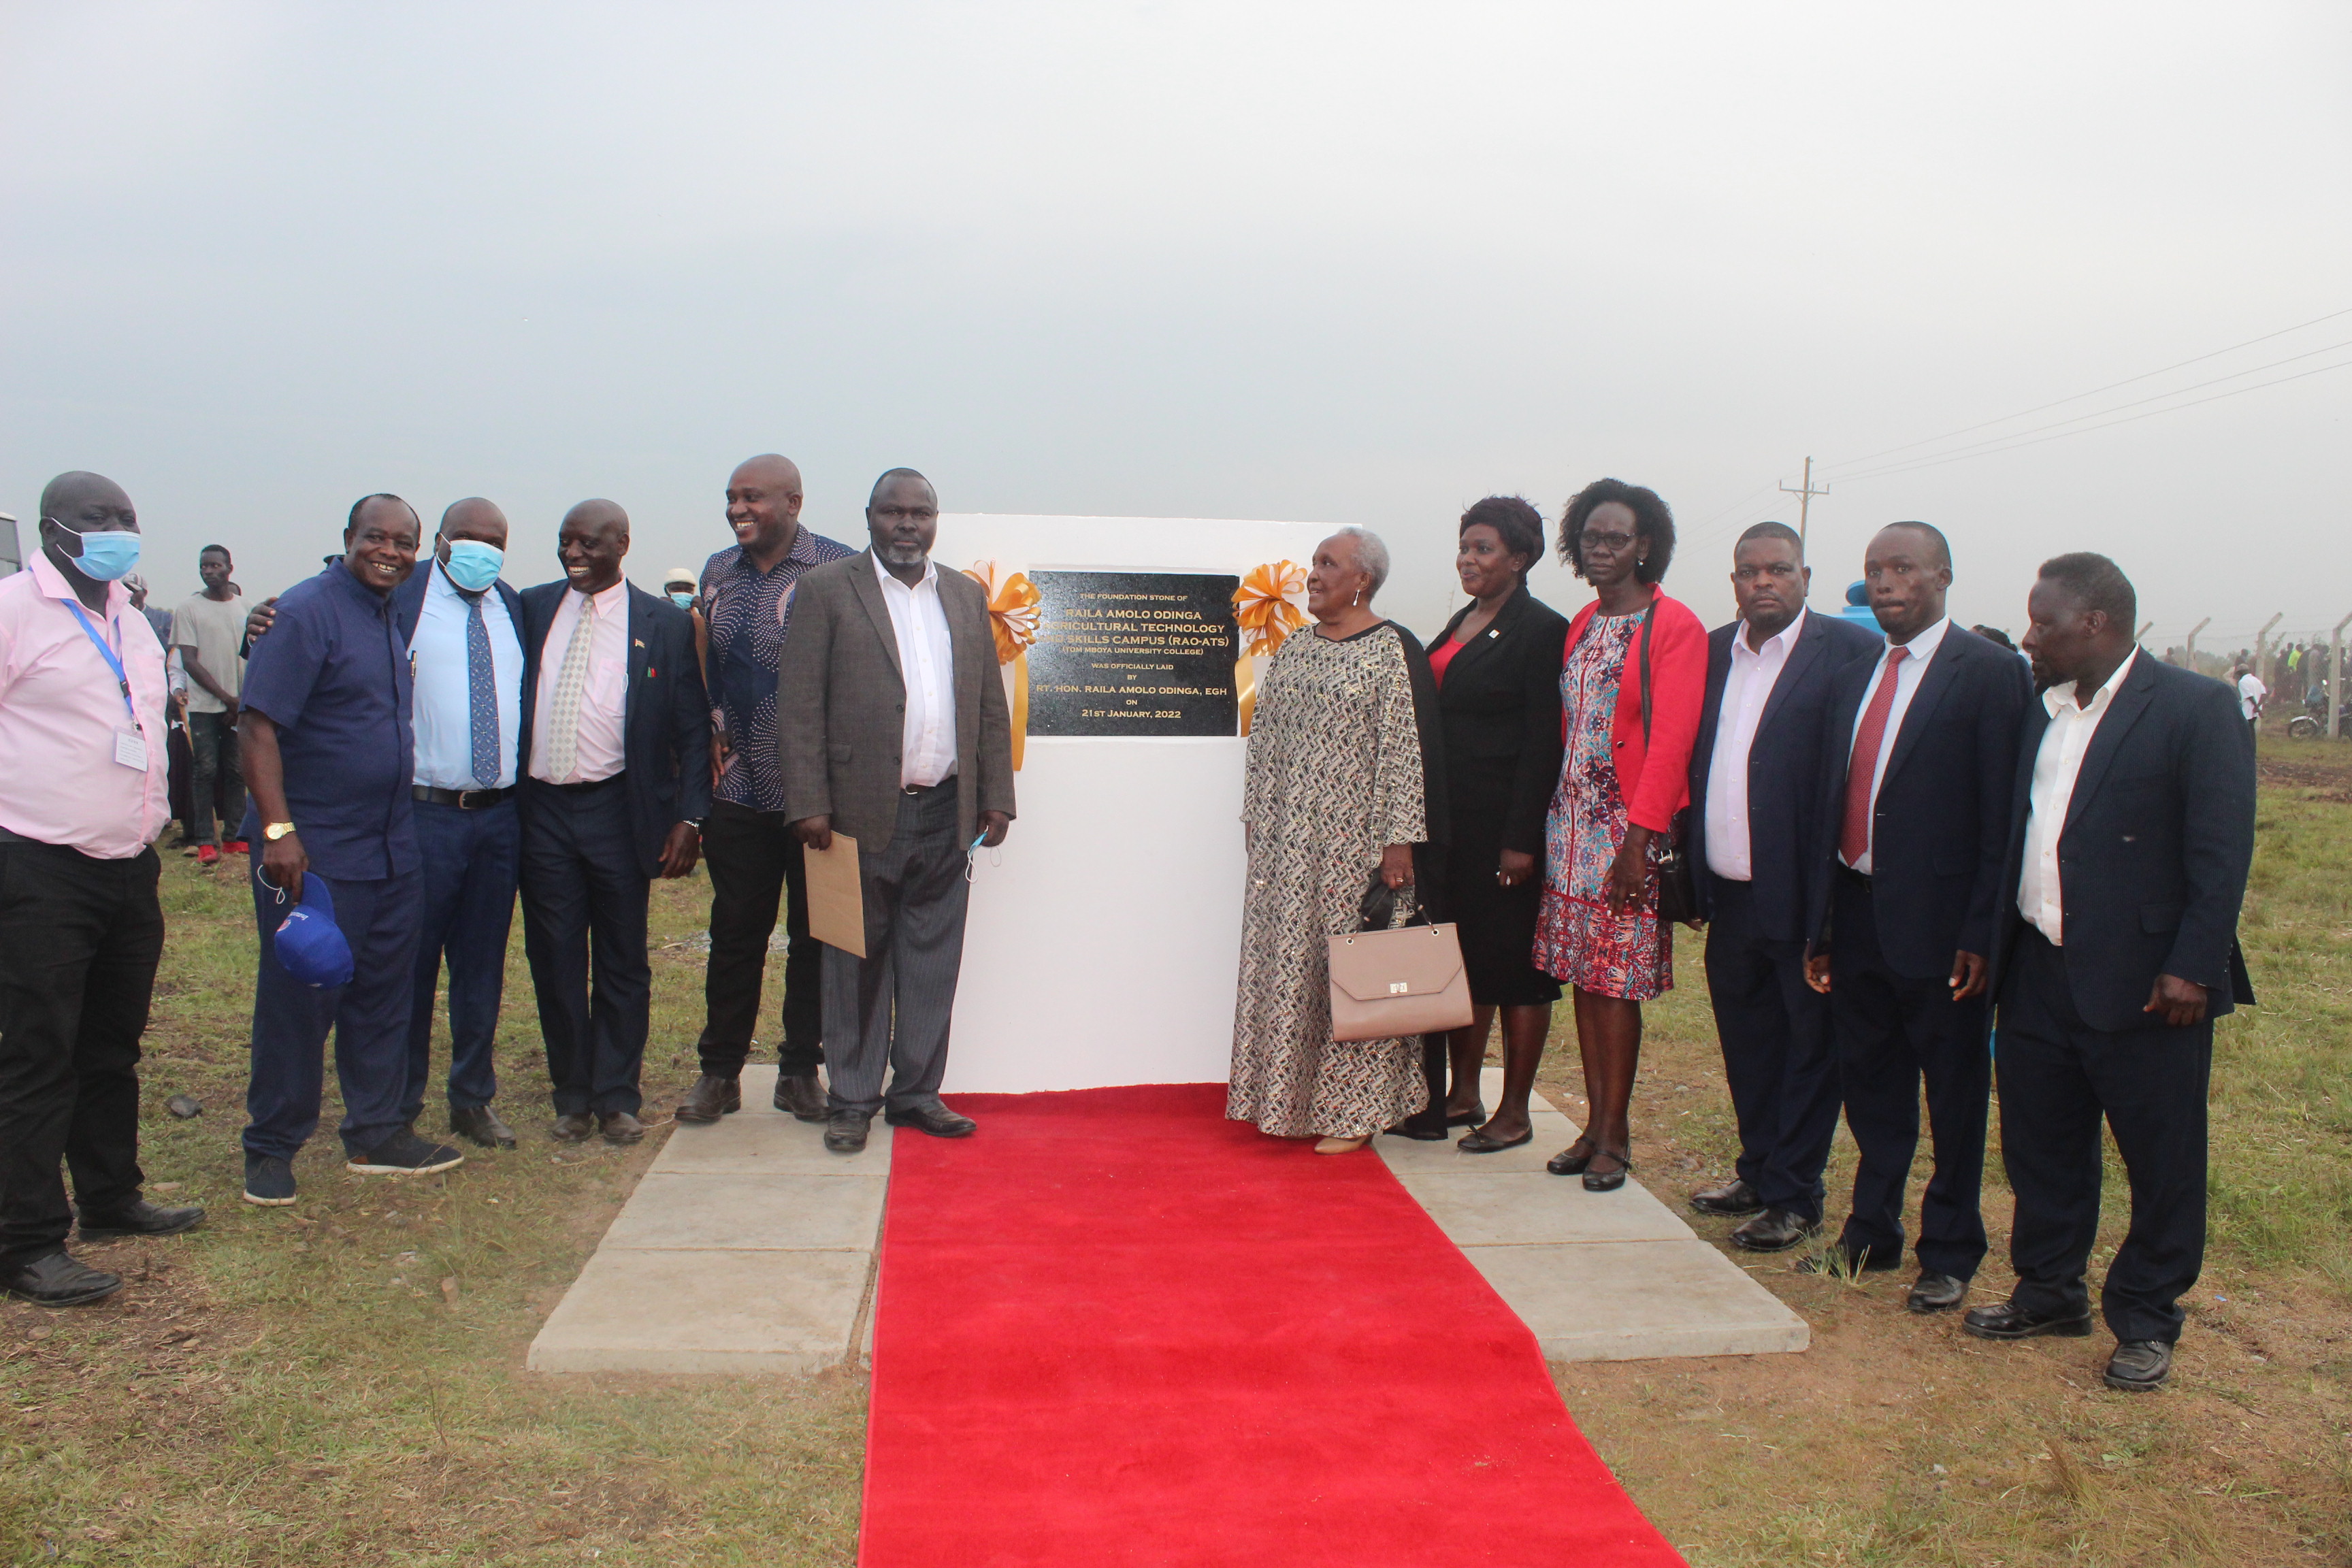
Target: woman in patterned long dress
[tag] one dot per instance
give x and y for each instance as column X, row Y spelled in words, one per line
column 1336, row 789
column 1621, row 783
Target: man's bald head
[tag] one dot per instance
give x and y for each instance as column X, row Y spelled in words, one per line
column 763, row 507
column 71, row 492
column 590, row 544
column 769, row 469
column 598, row 514
column 475, row 519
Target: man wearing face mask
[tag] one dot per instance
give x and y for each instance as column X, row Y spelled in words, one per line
column 747, row 592
column 461, row 624
column 82, row 797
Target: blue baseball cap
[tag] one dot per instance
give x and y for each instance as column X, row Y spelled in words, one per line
column 310, row 944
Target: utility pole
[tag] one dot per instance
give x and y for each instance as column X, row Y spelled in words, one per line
column 1805, row 501
column 2141, row 636
column 2191, row 655
column 2336, row 678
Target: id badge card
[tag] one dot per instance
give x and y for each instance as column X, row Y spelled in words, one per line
column 130, row 749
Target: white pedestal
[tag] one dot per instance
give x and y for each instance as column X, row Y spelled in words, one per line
column 1104, row 933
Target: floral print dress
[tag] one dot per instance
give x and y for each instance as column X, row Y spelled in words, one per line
column 1579, row 939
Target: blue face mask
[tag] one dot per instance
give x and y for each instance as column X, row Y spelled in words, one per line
column 105, row 554
column 682, row 598
column 472, row 564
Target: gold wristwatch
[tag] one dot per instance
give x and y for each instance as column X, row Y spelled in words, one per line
column 274, row 831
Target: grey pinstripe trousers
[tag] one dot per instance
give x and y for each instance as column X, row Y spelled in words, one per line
column 892, row 1007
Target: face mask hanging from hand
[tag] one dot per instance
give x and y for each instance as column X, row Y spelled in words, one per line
column 105, row 554
column 472, row 564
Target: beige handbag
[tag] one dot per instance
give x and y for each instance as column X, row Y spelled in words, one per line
column 1404, row 980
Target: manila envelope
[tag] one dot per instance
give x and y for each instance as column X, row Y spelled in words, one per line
column 836, row 903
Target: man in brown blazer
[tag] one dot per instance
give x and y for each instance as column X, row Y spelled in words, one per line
column 893, row 725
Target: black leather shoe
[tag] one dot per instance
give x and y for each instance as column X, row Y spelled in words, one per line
column 141, row 1218
column 2010, row 1321
column 60, row 1279
column 1474, row 1117
column 576, row 1127
column 712, row 1098
column 1421, row 1126
column 934, row 1119
column 1842, row 1259
column 844, row 1132
column 1608, row 1181
column 1478, row 1141
column 480, row 1124
column 1572, row 1161
column 1733, row 1199
column 1774, row 1230
column 797, row 1094
column 2139, row 1366
column 620, row 1127
column 1936, row 1292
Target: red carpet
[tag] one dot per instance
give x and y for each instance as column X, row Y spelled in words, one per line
column 1115, row 1327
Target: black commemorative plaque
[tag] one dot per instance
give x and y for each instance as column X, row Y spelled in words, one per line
column 1133, row 653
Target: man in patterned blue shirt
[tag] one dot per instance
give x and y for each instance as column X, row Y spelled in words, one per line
column 754, row 863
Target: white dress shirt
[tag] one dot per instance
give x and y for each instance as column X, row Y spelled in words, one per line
column 444, row 692
column 1754, row 673
column 2250, row 692
column 927, row 659
column 603, row 700
column 2056, row 766
column 1907, row 677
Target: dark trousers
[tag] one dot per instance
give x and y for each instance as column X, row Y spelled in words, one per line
column 369, row 1017
column 1775, row 1031
column 892, row 1007
column 2058, row 1077
column 755, row 864
column 182, row 767
column 471, row 864
column 216, row 778
column 1893, row 1032
column 79, row 939
column 583, row 916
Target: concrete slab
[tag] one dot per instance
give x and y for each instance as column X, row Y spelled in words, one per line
column 1626, row 1300
column 758, row 1213
column 706, row 1311
column 1595, row 1276
column 745, row 1248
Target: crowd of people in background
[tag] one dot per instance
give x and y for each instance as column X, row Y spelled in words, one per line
column 1894, row 835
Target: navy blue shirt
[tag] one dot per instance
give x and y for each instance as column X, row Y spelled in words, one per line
column 333, row 677
column 749, row 611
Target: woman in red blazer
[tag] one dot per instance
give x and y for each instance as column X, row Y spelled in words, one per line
column 1621, row 783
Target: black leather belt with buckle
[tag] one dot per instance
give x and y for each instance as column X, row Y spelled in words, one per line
column 463, row 799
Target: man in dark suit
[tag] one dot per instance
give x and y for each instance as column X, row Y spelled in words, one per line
column 616, row 788
column 894, row 728
column 1923, row 751
column 2134, row 812
column 1756, row 833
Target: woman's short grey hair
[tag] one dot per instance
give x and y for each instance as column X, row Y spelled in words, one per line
column 1371, row 555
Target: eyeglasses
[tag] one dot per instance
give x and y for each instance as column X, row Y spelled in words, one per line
column 1607, row 543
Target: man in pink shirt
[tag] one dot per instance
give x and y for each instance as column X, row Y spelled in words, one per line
column 81, row 800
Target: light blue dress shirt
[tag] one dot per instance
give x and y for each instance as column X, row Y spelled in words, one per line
column 444, row 713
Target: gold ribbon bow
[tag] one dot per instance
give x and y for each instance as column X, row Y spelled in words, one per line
column 1014, row 613
column 1263, row 605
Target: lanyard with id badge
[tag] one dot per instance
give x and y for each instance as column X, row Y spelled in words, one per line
column 130, row 745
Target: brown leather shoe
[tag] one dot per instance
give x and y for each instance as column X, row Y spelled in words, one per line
column 712, row 1098
column 576, row 1127
column 620, row 1127
column 798, row 1095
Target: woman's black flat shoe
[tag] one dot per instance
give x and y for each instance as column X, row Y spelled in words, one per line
column 1474, row 1117
column 1608, row 1181
column 1478, row 1142
column 1567, row 1162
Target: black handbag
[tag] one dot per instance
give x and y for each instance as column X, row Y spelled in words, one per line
column 1677, row 878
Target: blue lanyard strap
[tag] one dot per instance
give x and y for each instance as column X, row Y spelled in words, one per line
column 114, row 659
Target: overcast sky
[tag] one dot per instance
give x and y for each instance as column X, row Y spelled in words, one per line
column 1355, row 263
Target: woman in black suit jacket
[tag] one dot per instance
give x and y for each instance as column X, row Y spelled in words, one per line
column 1497, row 664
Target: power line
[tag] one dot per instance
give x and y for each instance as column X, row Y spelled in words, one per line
column 2094, row 392
column 2001, row 442
column 2128, row 419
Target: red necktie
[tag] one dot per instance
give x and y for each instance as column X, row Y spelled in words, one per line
column 1862, row 768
